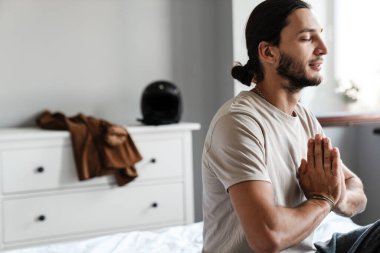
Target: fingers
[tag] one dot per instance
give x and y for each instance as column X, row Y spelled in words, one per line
column 318, row 152
column 302, row 169
column 322, row 172
column 335, row 155
column 327, row 154
column 310, row 153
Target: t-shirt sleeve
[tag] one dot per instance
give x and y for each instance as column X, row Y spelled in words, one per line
column 237, row 150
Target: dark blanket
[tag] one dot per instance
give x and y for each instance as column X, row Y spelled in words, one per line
column 362, row 240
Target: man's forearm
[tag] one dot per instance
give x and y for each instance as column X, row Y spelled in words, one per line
column 269, row 227
column 285, row 227
column 355, row 199
column 295, row 224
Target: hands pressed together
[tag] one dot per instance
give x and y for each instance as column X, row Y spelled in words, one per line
column 321, row 175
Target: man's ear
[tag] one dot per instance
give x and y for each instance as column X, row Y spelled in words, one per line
column 267, row 52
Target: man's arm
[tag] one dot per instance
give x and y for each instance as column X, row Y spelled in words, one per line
column 353, row 199
column 271, row 228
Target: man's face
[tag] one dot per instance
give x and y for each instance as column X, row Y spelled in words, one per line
column 301, row 50
column 296, row 73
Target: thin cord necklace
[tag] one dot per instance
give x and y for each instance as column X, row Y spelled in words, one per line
column 258, row 92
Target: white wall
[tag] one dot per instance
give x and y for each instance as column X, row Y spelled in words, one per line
column 96, row 57
column 81, row 56
column 241, row 10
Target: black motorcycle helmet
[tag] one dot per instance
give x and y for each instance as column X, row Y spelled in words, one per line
column 161, row 103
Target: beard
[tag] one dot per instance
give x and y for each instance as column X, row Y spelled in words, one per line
column 295, row 72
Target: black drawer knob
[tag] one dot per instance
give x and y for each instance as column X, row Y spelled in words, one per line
column 40, row 169
column 153, row 160
column 154, row 205
column 41, row 218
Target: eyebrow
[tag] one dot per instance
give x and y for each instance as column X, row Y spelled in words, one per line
column 306, row 30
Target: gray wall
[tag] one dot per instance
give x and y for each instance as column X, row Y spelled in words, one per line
column 367, row 152
column 96, row 57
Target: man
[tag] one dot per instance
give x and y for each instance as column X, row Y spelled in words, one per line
column 270, row 176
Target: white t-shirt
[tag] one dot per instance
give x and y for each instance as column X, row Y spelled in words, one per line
column 250, row 139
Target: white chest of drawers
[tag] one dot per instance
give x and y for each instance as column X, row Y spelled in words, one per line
column 42, row 201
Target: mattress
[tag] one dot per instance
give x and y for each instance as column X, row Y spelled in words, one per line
column 177, row 239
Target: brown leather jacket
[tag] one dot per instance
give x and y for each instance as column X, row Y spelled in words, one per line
column 100, row 148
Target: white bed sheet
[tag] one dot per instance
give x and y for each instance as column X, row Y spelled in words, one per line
column 178, row 239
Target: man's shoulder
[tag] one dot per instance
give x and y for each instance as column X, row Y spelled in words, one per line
column 236, row 116
column 239, row 105
column 245, row 103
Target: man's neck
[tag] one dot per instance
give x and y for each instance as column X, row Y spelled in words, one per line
column 277, row 93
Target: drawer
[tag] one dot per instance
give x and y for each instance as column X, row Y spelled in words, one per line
column 162, row 157
column 68, row 214
column 48, row 168
column 40, row 168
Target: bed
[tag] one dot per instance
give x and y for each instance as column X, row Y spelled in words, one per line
column 177, row 239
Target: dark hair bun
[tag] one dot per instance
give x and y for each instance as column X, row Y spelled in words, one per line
column 242, row 73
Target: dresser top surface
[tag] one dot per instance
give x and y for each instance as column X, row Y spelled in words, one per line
column 34, row 132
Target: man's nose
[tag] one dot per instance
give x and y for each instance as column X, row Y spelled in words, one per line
column 321, row 48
